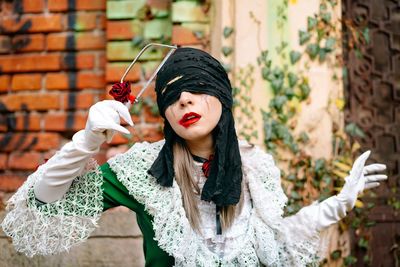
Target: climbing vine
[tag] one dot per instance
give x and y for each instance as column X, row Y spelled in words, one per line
column 307, row 178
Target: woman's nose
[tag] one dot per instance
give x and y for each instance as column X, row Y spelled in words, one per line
column 185, row 99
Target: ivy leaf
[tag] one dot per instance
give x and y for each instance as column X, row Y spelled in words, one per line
column 304, row 37
column 330, row 44
column 350, row 260
column 312, row 50
column 227, row 50
column 295, row 195
column 305, row 90
column 265, row 73
column 311, row 23
column 336, row 254
column 276, row 85
column 322, row 54
column 363, row 243
column 326, row 17
column 294, row 56
column 292, row 78
column 354, row 130
column 227, row 31
column 227, row 67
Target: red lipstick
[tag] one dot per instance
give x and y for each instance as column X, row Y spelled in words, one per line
column 189, row 118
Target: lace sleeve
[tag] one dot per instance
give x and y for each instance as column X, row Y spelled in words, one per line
column 54, row 227
column 291, row 241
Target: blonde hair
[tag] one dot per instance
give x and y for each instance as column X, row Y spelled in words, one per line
column 183, row 167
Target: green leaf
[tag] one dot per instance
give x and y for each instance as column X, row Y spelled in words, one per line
column 295, row 195
column 336, row 254
column 326, row 17
column 363, row 243
column 227, row 50
column 294, row 56
column 305, row 90
column 350, row 260
column 276, row 85
column 312, row 50
column 311, row 23
column 322, row 54
column 354, row 130
column 304, row 37
column 330, row 44
column 292, row 78
column 227, row 31
column 227, row 67
column 265, row 73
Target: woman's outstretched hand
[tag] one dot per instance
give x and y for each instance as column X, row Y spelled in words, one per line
column 103, row 120
column 361, row 177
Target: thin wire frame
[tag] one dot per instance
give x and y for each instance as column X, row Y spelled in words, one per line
column 172, row 49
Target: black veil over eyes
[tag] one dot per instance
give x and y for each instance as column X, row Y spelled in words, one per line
column 195, row 71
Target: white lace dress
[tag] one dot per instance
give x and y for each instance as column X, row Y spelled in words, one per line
column 260, row 234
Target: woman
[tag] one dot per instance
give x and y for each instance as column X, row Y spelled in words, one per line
column 201, row 197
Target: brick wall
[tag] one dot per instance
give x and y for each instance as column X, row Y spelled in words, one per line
column 59, row 57
column 51, row 70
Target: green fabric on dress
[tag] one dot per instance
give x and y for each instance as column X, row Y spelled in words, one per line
column 115, row 194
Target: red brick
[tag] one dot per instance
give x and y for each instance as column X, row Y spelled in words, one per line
column 57, row 81
column 183, row 36
column 101, row 60
column 57, row 41
column 33, row 6
column 62, row 5
column 90, row 80
column 27, row 122
column 32, row 101
column 24, row 160
column 119, row 139
column 90, row 41
column 91, row 5
column 57, row 5
column 82, row 41
column 28, row 43
column 85, row 61
column 84, row 21
column 159, row 4
column 3, row 161
column 26, row 82
column 149, row 134
column 81, row 100
column 114, row 72
column 149, row 117
column 5, row 44
column 57, row 122
column 4, row 83
column 32, row 23
column 120, row 30
column 30, row 63
column 31, row 141
column 11, row 182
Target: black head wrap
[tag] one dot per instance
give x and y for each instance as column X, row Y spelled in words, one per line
column 199, row 72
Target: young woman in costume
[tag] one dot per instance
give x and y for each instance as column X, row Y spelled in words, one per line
column 201, row 197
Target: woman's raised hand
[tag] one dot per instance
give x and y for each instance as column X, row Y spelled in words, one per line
column 103, row 120
column 361, row 177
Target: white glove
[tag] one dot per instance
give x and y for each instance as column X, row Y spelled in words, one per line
column 335, row 208
column 68, row 163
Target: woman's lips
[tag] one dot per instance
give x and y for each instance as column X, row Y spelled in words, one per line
column 189, row 118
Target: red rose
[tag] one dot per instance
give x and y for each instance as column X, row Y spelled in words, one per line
column 122, row 92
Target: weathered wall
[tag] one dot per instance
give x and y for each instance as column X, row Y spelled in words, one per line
column 57, row 58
